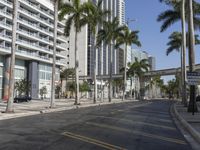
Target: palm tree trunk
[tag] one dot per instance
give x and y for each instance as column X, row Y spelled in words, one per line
column 181, row 79
column 95, row 66
column 76, row 70
column 125, row 66
column 9, row 107
column 61, row 82
column 52, row 103
column 110, row 80
column 183, row 56
column 101, row 62
column 131, row 87
column 192, row 103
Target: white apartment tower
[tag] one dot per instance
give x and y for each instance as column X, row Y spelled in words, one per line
column 121, row 11
column 117, row 9
column 34, row 45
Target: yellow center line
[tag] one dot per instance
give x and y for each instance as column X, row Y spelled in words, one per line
column 92, row 141
column 173, row 140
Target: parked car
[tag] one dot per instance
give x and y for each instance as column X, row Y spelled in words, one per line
column 198, row 98
column 24, row 98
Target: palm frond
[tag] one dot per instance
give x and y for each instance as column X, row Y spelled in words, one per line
column 68, row 25
column 65, row 9
column 171, row 49
column 168, row 18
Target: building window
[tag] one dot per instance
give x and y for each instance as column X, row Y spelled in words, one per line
column 42, row 75
column 19, row 73
column 48, row 76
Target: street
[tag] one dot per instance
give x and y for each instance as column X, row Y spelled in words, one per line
column 112, row 127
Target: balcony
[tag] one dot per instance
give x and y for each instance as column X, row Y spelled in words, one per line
column 6, row 2
column 28, row 22
column 34, row 46
column 59, row 54
column 30, row 3
column 6, row 36
column 62, row 39
column 46, row 13
column 36, row 17
column 8, row 26
column 62, row 46
column 26, row 52
column 34, row 36
column 5, row 13
column 61, row 62
column 5, row 47
column 37, row 27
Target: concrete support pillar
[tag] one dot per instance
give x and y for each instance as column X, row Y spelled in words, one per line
column 33, row 77
column 6, row 78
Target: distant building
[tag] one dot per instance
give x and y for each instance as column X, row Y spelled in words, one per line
column 136, row 53
column 152, row 63
column 86, row 44
column 134, row 83
column 121, row 11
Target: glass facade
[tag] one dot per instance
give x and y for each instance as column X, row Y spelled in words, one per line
column 45, row 74
column 1, row 80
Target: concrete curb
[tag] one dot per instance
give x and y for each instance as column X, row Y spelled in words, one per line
column 195, row 134
column 85, row 106
column 44, row 111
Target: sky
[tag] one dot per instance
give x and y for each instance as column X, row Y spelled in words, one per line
column 145, row 13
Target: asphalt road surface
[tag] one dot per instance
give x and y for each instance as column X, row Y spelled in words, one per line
column 111, row 127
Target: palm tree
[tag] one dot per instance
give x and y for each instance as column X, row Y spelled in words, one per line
column 138, row 68
column 95, row 17
column 52, row 102
column 9, row 107
column 66, row 74
column 118, row 83
column 127, row 37
column 172, row 87
column 77, row 17
column 173, row 15
column 192, row 107
column 183, row 50
column 175, row 42
column 158, row 82
column 109, row 34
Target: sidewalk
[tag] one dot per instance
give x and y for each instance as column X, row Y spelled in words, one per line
column 35, row 107
column 190, row 122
